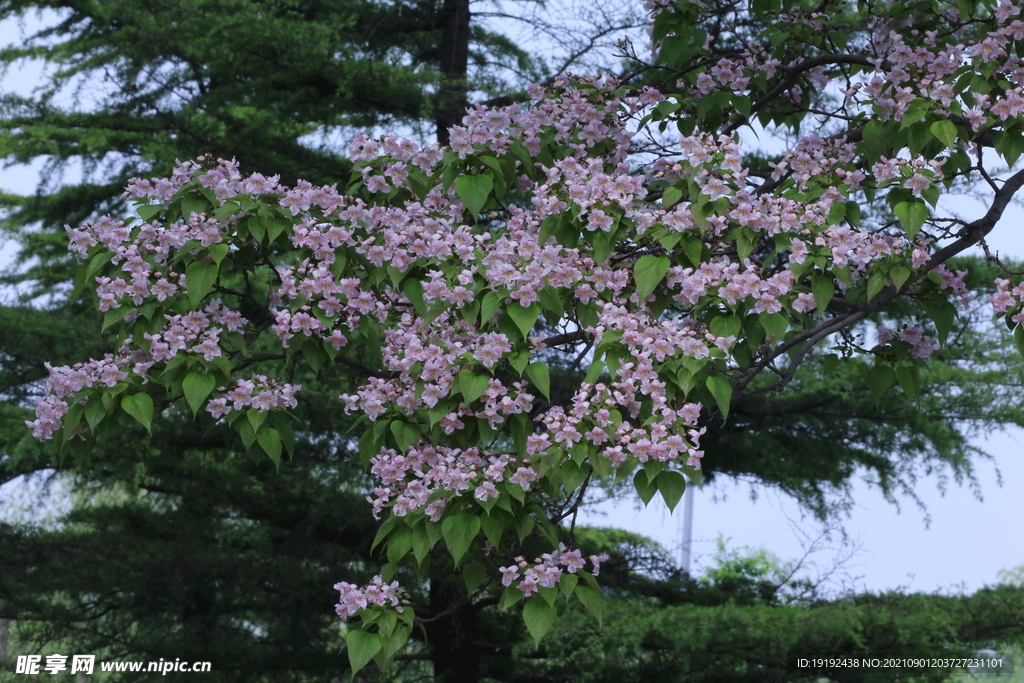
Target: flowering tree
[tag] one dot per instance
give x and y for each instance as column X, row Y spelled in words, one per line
column 677, row 277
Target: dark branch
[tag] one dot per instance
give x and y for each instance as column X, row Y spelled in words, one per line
column 972, row 234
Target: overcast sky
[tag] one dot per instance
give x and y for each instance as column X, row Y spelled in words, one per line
column 966, row 545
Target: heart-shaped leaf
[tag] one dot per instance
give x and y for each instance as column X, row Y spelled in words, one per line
column 197, row 386
column 458, row 533
column 474, row 190
column 539, row 617
column 672, row 485
column 648, row 272
column 139, row 406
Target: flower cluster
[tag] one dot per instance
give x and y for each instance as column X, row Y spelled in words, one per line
column 261, row 393
column 66, row 381
column 923, row 346
column 377, row 592
column 1009, row 297
column 546, row 571
column 954, row 281
column 410, row 481
column 903, row 75
column 595, row 419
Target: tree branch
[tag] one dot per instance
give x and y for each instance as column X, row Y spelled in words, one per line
column 972, row 234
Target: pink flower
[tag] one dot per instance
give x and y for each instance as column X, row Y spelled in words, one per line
column 529, row 584
column 523, row 476
column 508, row 574
column 218, row 407
column 916, row 183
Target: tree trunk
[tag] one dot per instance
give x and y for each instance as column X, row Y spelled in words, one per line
column 5, row 633
column 454, row 650
column 452, row 94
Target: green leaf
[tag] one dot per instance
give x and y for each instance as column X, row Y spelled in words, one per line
column 899, row 275
column 115, row 315
column 474, row 190
column 472, row 386
column 878, row 138
column 603, row 244
column 837, row 213
column 474, row 575
column 823, row 289
column 399, row 544
column 552, row 300
column 397, row 640
column 386, row 528
column 191, row 205
column 694, row 248
column 672, row 485
column 226, row 209
column 539, row 617
column 287, row 437
column 746, row 242
column 669, row 241
column 1009, row 145
column 458, row 533
column 140, row 406
column 913, row 115
column 524, row 318
column 573, row 475
column 726, row 325
column 880, row 378
column 519, row 361
column 907, row 376
column 853, row 213
column 369, row 445
column 538, row 372
column 489, row 306
column 912, row 215
column 943, row 314
column 362, row 646
column 945, row 131
column 591, row 599
column 218, row 252
column 509, row 597
column 197, row 387
column 919, row 136
column 493, row 525
column 275, row 226
column 96, row 264
column 648, row 272
column 644, row 487
column 199, row 281
column 694, row 475
column 270, row 441
column 405, row 434
column 148, row 212
column 256, row 418
column 671, row 196
column 774, row 324
column 721, row 389
column 94, row 413
column 876, row 283
column 413, row 290
column 421, row 544
column 246, row 432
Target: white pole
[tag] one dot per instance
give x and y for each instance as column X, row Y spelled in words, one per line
column 684, row 555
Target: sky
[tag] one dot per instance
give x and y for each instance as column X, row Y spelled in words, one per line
column 966, row 544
